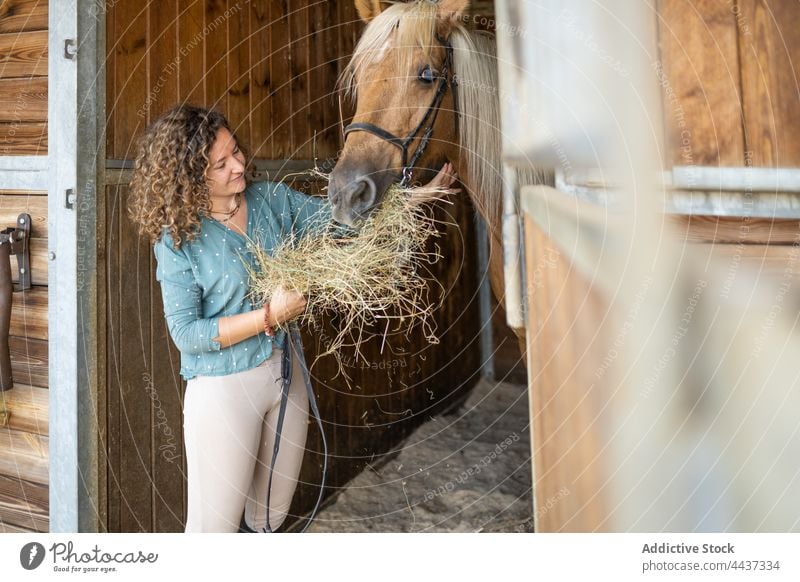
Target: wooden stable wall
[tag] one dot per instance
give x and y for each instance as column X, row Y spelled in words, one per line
column 271, row 69
column 23, row 131
column 23, row 77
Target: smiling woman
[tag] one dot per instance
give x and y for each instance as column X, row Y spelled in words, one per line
column 189, row 195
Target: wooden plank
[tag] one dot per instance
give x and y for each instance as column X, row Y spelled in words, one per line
column 23, row 139
column 216, row 47
column 23, row 15
column 564, row 318
column 24, row 505
column 349, row 32
column 115, row 207
column 278, row 133
column 324, row 70
column 481, row 15
column 29, row 314
column 300, row 127
column 239, row 81
column 27, row 408
column 701, row 83
column 769, row 48
column 261, row 81
column 127, row 100
column 133, row 353
column 23, row 192
column 12, row 205
column 100, row 346
column 735, row 230
column 191, row 49
column 162, row 53
column 9, row 528
column 165, row 389
column 23, row 54
column 25, row 456
column 351, row 27
column 23, row 100
column 23, row 519
column 29, row 361
column 763, row 262
column 111, row 78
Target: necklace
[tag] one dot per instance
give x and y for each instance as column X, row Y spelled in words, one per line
column 229, row 214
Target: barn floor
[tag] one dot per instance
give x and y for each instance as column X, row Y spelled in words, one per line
column 467, row 471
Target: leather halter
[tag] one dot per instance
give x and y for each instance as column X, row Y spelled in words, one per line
column 445, row 80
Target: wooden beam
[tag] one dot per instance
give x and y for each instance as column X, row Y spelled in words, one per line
column 769, row 49
column 566, row 348
column 23, row 139
column 23, row 54
column 25, row 456
column 735, row 230
column 23, row 100
column 29, row 361
column 23, row 505
column 26, row 407
column 23, row 15
column 701, row 85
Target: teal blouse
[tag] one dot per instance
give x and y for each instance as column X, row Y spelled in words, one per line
column 206, row 279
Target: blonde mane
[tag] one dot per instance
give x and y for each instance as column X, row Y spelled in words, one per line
column 413, row 25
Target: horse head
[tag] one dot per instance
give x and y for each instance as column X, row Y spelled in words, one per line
column 405, row 124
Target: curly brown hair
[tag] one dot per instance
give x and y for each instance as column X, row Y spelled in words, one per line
column 168, row 188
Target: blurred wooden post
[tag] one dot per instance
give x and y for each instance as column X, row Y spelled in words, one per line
column 663, row 389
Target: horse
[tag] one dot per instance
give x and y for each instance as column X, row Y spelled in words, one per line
column 425, row 91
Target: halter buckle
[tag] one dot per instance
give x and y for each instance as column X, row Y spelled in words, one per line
column 408, row 175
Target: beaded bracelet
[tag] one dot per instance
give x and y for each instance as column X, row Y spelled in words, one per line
column 267, row 327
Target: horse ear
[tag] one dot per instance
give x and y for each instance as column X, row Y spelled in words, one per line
column 369, row 9
column 451, row 10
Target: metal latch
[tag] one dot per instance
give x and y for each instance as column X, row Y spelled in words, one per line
column 12, row 240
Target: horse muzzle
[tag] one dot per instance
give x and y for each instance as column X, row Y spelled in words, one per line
column 354, row 196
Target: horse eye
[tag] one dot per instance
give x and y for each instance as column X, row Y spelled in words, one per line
column 427, row 75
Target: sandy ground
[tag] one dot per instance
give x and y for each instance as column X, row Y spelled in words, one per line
column 467, row 471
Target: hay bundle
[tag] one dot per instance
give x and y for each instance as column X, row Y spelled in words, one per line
column 370, row 278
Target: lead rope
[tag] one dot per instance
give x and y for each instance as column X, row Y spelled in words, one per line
column 286, row 374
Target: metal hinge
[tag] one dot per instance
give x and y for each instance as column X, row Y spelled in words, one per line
column 70, row 48
column 69, row 200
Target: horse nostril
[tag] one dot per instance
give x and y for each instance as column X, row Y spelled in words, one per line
column 364, row 194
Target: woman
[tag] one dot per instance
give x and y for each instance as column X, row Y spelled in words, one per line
column 189, row 196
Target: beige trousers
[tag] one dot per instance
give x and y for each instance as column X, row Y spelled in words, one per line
column 229, row 432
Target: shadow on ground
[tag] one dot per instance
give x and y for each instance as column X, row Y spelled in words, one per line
column 466, row 471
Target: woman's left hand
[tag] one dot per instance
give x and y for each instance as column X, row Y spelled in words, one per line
column 442, row 181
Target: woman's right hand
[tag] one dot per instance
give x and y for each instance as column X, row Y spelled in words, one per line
column 285, row 306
